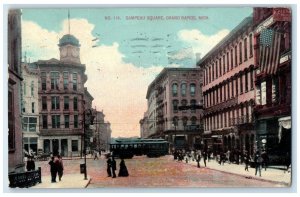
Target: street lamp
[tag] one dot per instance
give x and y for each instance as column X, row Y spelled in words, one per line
column 88, row 119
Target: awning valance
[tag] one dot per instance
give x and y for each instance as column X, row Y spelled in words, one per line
column 284, row 122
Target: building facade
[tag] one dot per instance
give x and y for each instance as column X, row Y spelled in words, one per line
column 229, row 92
column 61, row 100
column 30, row 107
column 15, row 147
column 175, row 87
column 102, row 137
column 273, row 80
column 144, row 127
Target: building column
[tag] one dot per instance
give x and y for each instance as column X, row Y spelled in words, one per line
column 51, row 145
column 69, row 147
column 59, row 146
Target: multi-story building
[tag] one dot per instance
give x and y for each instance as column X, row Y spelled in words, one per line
column 144, row 127
column 172, row 88
column 229, row 91
column 30, row 108
column 273, row 80
column 15, row 148
column 102, row 133
column 61, row 100
column 151, row 111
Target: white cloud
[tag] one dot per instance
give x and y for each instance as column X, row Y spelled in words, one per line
column 118, row 88
column 200, row 42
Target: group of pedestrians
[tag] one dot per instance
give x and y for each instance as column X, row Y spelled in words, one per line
column 56, row 168
column 112, row 167
column 30, row 165
column 194, row 155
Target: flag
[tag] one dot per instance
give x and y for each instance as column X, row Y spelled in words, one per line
column 269, row 51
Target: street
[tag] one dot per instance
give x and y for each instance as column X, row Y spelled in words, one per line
column 147, row 172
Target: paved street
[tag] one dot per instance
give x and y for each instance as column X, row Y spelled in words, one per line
column 157, row 172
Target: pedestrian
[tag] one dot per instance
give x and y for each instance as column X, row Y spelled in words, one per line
column 108, row 166
column 247, row 160
column 265, row 159
column 257, row 162
column 53, row 169
column 96, row 155
column 30, row 164
column 113, row 167
column 186, row 158
column 204, row 158
column 60, row 167
column 198, row 158
column 123, row 172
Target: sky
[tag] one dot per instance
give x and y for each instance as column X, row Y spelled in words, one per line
column 124, row 49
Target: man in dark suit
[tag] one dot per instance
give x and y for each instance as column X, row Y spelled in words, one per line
column 113, row 167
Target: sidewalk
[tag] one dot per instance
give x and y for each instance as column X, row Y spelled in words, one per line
column 69, row 181
column 275, row 175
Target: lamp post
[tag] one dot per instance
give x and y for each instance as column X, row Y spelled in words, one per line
column 87, row 121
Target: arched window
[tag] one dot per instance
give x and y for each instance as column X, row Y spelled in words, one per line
column 194, row 120
column 183, row 89
column 193, row 104
column 184, row 121
column 175, row 121
column 251, row 45
column 192, row 89
column 174, row 89
column 245, row 49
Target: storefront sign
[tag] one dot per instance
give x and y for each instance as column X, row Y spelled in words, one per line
column 282, row 14
column 267, row 23
column 263, row 93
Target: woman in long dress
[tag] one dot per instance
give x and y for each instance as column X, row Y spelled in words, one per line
column 123, row 169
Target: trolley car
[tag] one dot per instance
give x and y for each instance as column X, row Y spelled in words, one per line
column 127, row 148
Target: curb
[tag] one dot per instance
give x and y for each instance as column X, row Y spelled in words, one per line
column 247, row 177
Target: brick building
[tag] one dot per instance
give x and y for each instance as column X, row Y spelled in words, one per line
column 62, row 100
column 14, row 40
column 272, row 38
column 172, row 88
column 229, row 91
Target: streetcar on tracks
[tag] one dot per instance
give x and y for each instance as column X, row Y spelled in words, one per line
column 129, row 147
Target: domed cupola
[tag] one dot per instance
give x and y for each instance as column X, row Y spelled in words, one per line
column 69, row 49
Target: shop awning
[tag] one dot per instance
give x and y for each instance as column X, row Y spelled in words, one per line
column 285, row 122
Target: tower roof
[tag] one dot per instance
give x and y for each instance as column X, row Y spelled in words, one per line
column 68, row 39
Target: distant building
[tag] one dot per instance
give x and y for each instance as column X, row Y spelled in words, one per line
column 273, row 36
column 15, row 147
column 171, row 89
column 102, row 137
column 229, row 92
column 30, row 108
column 144, row 127
column 62, row 100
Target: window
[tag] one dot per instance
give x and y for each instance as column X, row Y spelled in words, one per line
column 213, row 72
column 217, row 73
column 32, row 88
column 184, row 121
column 183, row 89
column 245, row 50
column 175, row 106
column 228, row 90
column 66, row 102
column 192, row 89
column 232, row 88
column 209, row 74
column 75, row 81
column 32, row 107
column 251, row 79
column 54, row 80
column 43, row 79
column 251, row 45
column 194, row 120
column 175, row 121
column 231, row 58
column 45, row 122
column 183, row 102
column 66, row 80
column 11, row 128
column 24, row 88
column 55, row 102
column 56, row 121
column 29, row 124
column 224, row 70
column 227, row 56
column 235, row 56
column 241, row 53
column 75, row 121
column 74, row 145
column 67, row 121
column 236, row 87
column 241, row 84
column 220, row 67
column 246, row 82
column 193, row 105
column 174, row 89
column 225, row 119
column 44, row 103
column 75, row 103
